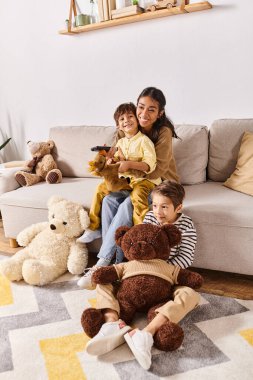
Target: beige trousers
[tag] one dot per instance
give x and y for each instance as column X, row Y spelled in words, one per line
column 139, row 199
column 184, row 300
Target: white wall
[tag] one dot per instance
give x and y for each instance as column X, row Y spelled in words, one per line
column 201, row 61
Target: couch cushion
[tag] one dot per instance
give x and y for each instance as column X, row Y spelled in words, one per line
column 225, row 140
column 224, row 222
column 213, row 203
column 191, row 153
column 79, row 190
column 73, row 144
column 242, row 178
column 26, row 206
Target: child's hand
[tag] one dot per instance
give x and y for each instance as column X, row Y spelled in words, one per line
column 110, row 154
column 121, row 155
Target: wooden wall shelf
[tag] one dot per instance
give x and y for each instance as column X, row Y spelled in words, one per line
column 194, row 7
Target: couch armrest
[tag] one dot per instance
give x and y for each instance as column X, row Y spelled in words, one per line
column 7, row 179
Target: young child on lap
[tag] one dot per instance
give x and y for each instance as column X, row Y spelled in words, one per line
column 139, row 153
column 167, row 200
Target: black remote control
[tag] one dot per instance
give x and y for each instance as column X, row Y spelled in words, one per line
column 100, row 147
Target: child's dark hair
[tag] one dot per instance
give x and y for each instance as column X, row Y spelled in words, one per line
column 172, row 190
column 124, row 108
column 163, row 120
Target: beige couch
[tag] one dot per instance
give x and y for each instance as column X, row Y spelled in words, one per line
column 205, row 159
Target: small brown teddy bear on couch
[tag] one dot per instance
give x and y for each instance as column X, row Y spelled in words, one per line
column 42, row 167
column 146, row 283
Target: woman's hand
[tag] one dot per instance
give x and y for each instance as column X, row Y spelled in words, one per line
column 127, row 165
column 124, row 166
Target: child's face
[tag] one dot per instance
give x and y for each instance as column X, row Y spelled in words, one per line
column 128, row 123
column 163, row 209
column 147, row 112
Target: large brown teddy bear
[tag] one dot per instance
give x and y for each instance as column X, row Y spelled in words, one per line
column 146, row 280
column 42, row 167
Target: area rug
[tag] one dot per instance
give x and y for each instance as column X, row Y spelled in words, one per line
column 42, row 339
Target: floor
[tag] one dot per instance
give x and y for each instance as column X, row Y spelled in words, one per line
column 220, row 283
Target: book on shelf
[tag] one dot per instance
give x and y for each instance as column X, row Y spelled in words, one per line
column 105, row 9
column 100, row 10
column 111, row 6
column 127, row 11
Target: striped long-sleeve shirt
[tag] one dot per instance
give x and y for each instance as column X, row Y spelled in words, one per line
column 183, row 254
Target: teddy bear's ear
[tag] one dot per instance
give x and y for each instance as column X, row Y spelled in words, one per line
column 54, row 199
column 173, row 234
column 50, row 143
column 84, row 218
column 120, row 232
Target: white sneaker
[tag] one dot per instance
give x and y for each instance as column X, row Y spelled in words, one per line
column 140, row 343
column 110, row 336
column 85, row 281
column 89, row 235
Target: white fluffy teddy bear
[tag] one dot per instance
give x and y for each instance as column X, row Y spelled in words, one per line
column 50, row 247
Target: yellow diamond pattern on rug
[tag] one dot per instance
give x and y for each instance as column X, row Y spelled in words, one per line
column 61, row 359
column 6, row 297
column 92, row 302
column 248, row 335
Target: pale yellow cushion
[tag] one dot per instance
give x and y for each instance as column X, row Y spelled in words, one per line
column 242, row 178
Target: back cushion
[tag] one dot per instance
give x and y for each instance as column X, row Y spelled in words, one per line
column 73, row 144
column 73, row 147
column 191, row 153
column 225, row 141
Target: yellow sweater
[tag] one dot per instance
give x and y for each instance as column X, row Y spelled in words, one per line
column 165, row 161
column 139, row 148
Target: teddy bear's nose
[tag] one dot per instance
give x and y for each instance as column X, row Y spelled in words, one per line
column 52, row 226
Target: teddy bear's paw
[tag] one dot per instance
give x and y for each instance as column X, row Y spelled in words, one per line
column 11, row 271
column 78, row 266
column 23, row 239
column 27, row 179
column 20, row 178
column 34, row 273
column 54, row 176
column 92, row 321
column 169, row 337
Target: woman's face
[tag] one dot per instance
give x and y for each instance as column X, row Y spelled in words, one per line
column 147, row 112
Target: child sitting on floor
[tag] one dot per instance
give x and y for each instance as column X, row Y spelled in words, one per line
column 167, row 200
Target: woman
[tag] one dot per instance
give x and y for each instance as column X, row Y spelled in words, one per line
column 117, row 208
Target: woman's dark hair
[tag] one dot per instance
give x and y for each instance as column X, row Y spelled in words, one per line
column 124, row 108
column 163, row 120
